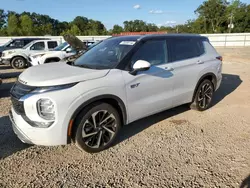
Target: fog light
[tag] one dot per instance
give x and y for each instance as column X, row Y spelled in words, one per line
column 46, row 109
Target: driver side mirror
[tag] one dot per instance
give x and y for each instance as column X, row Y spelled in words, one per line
column 140, row 65
column 68, row 50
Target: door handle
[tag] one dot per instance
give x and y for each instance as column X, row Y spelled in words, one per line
column 200, row 62
column 169, row 68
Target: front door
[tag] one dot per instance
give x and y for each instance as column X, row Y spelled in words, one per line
column 150, row 91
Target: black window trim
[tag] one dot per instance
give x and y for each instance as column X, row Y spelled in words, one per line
column 179, row 38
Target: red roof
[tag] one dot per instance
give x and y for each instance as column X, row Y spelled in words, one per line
column 140, row 33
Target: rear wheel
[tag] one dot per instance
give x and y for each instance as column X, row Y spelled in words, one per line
column 97, row 127
column 18, row 63
column 203, row 96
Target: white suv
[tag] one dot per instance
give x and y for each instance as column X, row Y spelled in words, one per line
column 18, row 58
column 115, row 83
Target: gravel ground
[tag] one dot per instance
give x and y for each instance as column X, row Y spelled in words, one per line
column 176, row 148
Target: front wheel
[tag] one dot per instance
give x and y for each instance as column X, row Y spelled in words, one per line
column 18, row 63
column 97, row 127
column 203, row 96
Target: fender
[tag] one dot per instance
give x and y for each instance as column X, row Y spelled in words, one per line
column 94, row 99
column 25, row 56
column 214, row 81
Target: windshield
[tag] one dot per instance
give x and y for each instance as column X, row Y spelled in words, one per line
column 105, row 55
column 61, row 46
column 8, row 43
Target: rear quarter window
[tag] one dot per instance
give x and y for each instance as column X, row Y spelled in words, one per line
column 183, row 49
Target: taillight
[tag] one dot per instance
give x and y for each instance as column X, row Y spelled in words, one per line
column 219, row 58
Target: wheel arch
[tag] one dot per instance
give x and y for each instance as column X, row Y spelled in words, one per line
column 210, row 76
column 113, row 100
column 19, row 55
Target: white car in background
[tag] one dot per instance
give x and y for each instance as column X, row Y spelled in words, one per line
column 18, row 58
column 63, row 51
column 60, row 52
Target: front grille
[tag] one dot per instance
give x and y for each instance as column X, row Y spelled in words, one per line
column 19, row 90
column 18, row 106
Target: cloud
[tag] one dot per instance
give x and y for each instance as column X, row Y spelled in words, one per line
column 137, row 7
column 156, row 12
column 167, row 23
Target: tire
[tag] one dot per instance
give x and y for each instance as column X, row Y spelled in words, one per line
column 203, row 96
column 18, row 63
column 91, row 138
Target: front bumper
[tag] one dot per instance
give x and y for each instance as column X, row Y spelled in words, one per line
column 18, row 132
column 5, row 61
column 39, row 136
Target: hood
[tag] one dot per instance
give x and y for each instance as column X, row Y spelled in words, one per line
column 75, row 42
column 58, row 74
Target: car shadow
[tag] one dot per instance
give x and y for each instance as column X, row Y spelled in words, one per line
column 10, row 75
column 245, row 183
column 5, row 89
column 229, row 84
column 9, row 143
column 5, row 67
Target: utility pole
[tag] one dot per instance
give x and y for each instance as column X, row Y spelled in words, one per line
column 231, row 22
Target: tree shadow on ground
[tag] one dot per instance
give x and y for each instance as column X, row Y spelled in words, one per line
column 229, row 84
column 5, row 89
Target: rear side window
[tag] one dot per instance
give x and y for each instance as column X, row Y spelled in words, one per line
column 153, row 51
column 186, row 48
column 38, row 46
column 52, row 44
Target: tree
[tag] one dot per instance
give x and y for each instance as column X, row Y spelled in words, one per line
column 2, row 18
column 26, row 25
column 117, row 29
column 214, row 12
column 13, row 25
column 74, row 30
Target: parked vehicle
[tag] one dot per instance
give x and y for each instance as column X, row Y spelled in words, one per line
column 65, row 51
column 121, row 80
column 16, row 43
column 62, row 51
column 18, row 58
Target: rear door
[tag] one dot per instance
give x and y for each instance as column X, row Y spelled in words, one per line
column 51, row 44
column 187, row 63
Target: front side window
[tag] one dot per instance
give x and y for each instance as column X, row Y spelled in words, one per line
column 185, row 49
column 38, row 46
column 105, row 55
column 153, row 51
column 52, row 44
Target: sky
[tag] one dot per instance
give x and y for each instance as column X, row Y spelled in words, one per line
column 110, row 12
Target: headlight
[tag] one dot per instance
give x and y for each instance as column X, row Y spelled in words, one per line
column 46, row 109
column 11, row 52
column 53, row 88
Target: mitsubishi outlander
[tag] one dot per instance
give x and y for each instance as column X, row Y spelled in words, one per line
column 120, row 80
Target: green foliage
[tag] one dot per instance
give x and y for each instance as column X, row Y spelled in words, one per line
column 117, row 29
column 26, row 25
column 13, row 25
